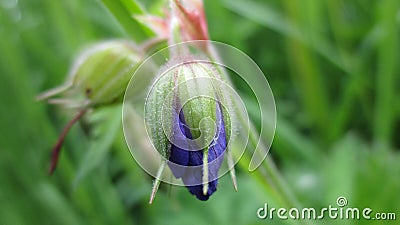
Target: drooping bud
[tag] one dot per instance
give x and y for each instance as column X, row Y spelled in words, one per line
column 98, row 76
column 187, row 112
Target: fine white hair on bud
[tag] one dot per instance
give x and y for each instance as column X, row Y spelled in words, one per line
column 189, row 119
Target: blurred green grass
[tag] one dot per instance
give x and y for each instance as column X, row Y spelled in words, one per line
column 331, row 65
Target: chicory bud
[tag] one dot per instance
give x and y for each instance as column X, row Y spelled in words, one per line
column 187, row 112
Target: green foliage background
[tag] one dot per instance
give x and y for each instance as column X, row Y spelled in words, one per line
column 333, row 67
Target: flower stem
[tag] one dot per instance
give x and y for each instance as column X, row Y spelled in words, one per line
column 57, row 148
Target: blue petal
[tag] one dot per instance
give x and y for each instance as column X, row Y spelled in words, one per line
column 193, row 175
column 178, row 155
column 197, row 190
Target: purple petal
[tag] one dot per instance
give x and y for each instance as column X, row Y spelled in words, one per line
column 193, row 174
column 178, row 155
column 197, row 190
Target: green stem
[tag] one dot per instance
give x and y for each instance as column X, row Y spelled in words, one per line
column 175, row 35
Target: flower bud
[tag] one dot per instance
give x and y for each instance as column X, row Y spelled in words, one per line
column 187, row 114
column 99, row 75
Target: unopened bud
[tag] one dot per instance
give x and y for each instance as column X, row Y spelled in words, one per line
column 188, row 115
column 99, row 75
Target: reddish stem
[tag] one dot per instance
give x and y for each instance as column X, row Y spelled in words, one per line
column 57, row 148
